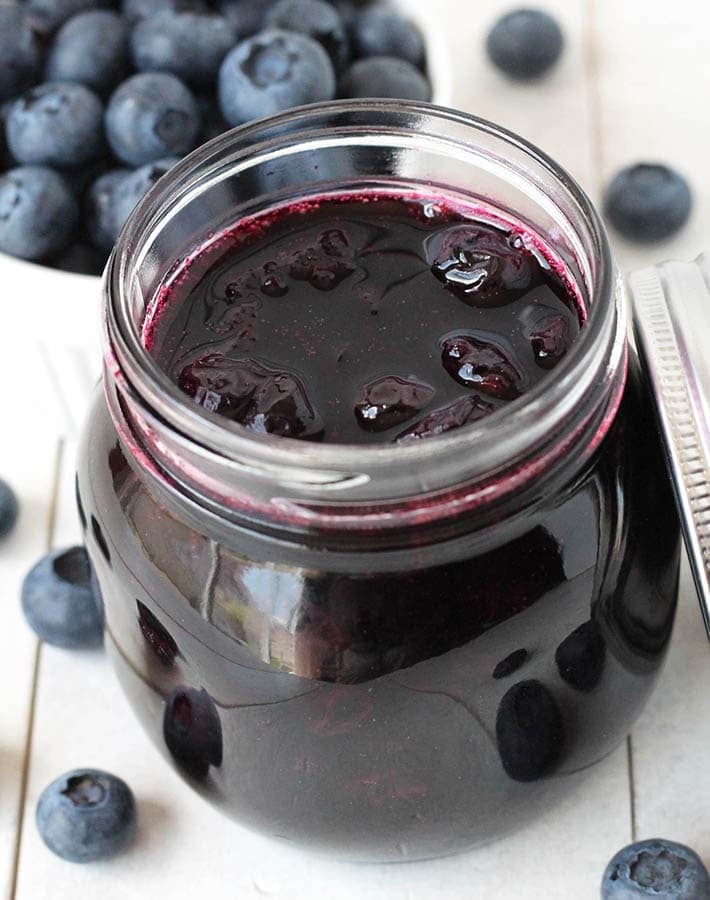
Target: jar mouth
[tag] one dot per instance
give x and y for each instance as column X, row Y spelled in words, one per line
column 501, row 440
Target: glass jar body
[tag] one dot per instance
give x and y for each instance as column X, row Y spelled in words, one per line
column 390, row 704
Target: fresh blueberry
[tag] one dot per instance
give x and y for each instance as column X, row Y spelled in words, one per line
column 213, row 123
column 525, row 43
column 273, row 71
column 380, row 31
column 9, row 508
column 529, row 731
column 580, row 657
column 189, row 45
column 136, row 185
column 385, row 76
column 648, row 202
column 247, row 15
column 656, row 869
column 91, row 49
column 20, row 61
column 80, row 259
column 48, row 15
column 86, row 815
column 137, row 10
column 192, row 730
column 151, row 116
column 56, row 124
column 58, row 600
column 38, row 212
column 319, row 20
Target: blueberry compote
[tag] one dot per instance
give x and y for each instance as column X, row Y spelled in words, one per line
column 363, row 319
column 394, row 691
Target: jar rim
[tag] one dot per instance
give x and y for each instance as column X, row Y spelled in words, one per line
column 500, row 439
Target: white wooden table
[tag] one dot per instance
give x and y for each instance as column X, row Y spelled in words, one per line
column 632, row 85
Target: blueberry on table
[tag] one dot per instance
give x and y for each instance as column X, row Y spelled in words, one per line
column 189, row 45
column 48, row 15
column 20, row 60
column 56, row 124
column 317, row 19
column 9, row 508
column 90, row 49
column 530, row 732
column 58, row 600
column 273, row 71
column 379, row 31
column 648, row 202
column 192, row 730
column 38, row 212
column 150, row 116
column 137, row 10
column 385, row 77
column 525, row 43
column 656, row 869
column 86, row 815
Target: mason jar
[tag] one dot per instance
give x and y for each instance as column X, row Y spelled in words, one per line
column 382, row 652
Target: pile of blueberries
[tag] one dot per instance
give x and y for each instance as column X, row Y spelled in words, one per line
column 99, row 98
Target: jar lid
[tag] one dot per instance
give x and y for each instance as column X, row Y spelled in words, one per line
column 671, row 308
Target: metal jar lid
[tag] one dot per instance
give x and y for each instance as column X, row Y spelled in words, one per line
column 671, row 309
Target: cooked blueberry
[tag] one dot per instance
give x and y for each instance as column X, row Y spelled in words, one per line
column 379, row 31
column 525, row 43
column 157, row 636
column 263, row 400
column 213, row 123
column 322, row 269
column 86, row 815
column 273, row 71
column 102, row 219
column 47, row 15
column 390, row 401
column 192, row 730
column 91, row 49
column 247, row 15
column 56, row 124
column 580, row 657
column 481, row 364
column 151, row 116
column 58, row 600
column 529, row 731
column 189, row 45
column 385, row 76
column 20, row 61
column 550, row 340
column 511, row 663
column 483, row 266
column 455, row 415
column 136, row 10
column 81, row 259
column 9, row 508
column 38, row 212
column 317, row 19
column 648, row 202
column 656, row 868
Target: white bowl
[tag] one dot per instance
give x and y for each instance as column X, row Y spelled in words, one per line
column 59, row 311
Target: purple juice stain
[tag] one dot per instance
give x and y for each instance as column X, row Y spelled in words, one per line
column 364, row 319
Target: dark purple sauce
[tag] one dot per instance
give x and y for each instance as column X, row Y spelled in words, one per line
column 363, row 319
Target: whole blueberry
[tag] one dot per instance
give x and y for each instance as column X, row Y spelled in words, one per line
column 192, row 730
column 56, row 124
column 529, row 731
column 525, row 43
column 656, row 868
column 273, row 71
column 38, row 212
column 247, row 15
column 91, row 49
column 380, row 31
column 136, row 10
column 151, row 116
column 189, row 45
column 318, row 20
column 80, row 259
column 58, row 600
column 136, row 185
column 20, row 61
column 86, row 815
column 385, row 76
column 101, row 208
column 6, row 160
column 48, row 15
column 9, row 508
column 648, row 202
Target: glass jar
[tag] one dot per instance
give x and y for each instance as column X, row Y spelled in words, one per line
column 385, row 652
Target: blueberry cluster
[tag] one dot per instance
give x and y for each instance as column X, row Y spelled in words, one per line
column 99, row 98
